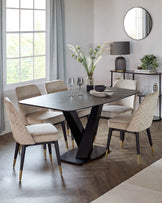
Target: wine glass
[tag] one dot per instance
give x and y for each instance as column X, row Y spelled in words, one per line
column 80, row 82
column 71, row 83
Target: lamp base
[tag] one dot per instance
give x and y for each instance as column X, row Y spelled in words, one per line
column 120, row 64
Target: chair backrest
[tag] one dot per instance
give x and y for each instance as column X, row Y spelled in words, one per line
column 25, row 92
column 55, row 86
column 126, row 84
column 142, row 118
column 19, row 130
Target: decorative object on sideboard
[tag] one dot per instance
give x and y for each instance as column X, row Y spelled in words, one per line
column 120, row 48
column 89, row 62
column 149, row 62
column 137, row 23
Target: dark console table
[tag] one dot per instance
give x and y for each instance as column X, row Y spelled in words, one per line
column 133, row 73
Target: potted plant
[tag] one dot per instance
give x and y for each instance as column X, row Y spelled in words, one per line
column 89, row 62
column 149, row 62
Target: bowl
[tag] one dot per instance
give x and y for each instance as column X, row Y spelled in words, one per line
column 100, row 88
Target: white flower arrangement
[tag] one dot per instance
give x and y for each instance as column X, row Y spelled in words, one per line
column 94, row 57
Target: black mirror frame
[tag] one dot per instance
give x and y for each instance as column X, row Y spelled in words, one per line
column 150, row 20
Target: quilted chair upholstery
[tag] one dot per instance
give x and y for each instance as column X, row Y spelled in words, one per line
column 30, row 135
column 140, row 120
column 121, row 106
column 57, row 86
column 36, row 115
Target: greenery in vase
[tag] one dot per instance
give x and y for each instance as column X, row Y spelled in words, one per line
column 149, row 61
column 93, row 57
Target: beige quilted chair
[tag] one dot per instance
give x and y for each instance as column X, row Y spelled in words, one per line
column 36, row 115
column 57, row 86
column 30, row 135
column 121, row 106
column 140, row 120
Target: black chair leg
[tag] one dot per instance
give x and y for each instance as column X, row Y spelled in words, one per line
column 50, row 152
column 150, row 140
column 64, row 132
column 122, row 136
column 44, row 147
column 22, row 161
column 58, row 155
column 108, row 141
column 16, row 152
column 138, row 146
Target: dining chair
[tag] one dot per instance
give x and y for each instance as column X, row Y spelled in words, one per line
column 57, row 86
column 30, row 135
column 139, row 121
column 121, row 106
column 36, row 115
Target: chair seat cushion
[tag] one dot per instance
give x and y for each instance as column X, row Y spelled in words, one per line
column 119, row 122
column 45, row 117
column 44, row 132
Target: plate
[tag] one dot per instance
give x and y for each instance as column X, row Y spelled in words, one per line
column 109, row 92
column 98, row 94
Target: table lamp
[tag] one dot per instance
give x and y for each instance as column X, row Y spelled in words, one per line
column 120, row 48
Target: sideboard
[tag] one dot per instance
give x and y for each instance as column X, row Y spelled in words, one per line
column 140, row 95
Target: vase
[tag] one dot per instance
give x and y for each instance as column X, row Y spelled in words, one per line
column 89, row 83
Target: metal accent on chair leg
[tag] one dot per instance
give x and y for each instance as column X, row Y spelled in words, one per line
column 138, row 157
column 44, row 147
column 122, row 144
column 19, row 148
column 16, row 152
column 107, row 151
column 58, row 156
column 150, row 140
column 64, row 132
column 94, row 140
column 22, row 161
column 72, row 141
column 122, row 136
column 50, row 152
column 138, row 146
column 108, row 141
column 60, row 169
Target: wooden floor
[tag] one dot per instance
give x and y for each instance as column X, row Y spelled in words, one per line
column 41, row 181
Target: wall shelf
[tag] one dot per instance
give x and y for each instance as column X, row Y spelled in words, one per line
column 140, row 95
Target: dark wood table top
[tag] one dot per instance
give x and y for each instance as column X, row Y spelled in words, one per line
column 61, row 100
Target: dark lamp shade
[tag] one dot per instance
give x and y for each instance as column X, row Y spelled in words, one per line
column 120, row 48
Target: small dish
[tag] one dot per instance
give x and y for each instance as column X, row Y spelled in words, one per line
column 98, row 94
column 100, row 88
column 109, row 92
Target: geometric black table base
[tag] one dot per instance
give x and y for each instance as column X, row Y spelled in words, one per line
column 70, row 156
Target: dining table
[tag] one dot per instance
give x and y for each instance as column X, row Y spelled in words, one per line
column 84, row 136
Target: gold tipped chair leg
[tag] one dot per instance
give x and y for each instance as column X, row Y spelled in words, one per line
column 138, row 157
column 20, row 176
column 68, row 132
column 122, row 144
column 45, row 154
column 14, row 162
column 152, row 149
column 60, row 169
column 51, row 158
column 72, row 141
column 67, row 145
column 19, row 148
column 107, row 151
column 94, row 140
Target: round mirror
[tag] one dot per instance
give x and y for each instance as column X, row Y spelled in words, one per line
column 137, row 23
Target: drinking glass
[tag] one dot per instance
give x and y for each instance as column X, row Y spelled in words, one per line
column 80, row 82
column 71, row 83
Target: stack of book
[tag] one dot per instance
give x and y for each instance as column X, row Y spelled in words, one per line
column 144, row 71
